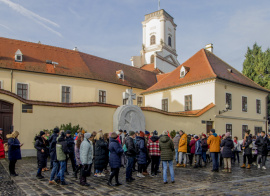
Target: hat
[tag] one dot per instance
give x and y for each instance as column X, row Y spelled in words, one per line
column 203, row 135
column 196, row 136
column 87, row 135
column 68, row 132
column 147, row 132
column 56, row 130
column 131, row 133
column 142, row 134
column 213, row 130
column 155, row 133
column 228, row 134
column 41, row 133
column 125, row 131
column 114, row 135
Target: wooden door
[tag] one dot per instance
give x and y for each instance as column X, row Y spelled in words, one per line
column 6, row 118
column 209, row 126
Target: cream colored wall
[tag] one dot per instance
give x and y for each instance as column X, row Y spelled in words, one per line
column 45, row 87
column 202, row 95
column 237, row 92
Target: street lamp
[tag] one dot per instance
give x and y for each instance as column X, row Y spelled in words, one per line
column 226, row 110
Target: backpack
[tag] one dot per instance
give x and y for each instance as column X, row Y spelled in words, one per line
column 6, row 147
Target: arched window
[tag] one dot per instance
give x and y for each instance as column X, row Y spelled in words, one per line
column 152, row 59
column 153, row 40
column 170, row 41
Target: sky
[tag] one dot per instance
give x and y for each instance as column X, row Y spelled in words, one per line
column 112, row 29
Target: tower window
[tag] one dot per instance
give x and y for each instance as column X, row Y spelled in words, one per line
column 153, row 40
column 152, row 59
column 170, row 41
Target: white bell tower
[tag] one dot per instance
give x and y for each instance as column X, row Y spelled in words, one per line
column 159, row 42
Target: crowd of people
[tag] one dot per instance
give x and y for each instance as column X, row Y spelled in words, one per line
column 135, row 151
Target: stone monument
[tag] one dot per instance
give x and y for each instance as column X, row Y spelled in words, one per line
column 129, row 117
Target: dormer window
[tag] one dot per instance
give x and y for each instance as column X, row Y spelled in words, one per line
column 183, row 71
column 18, row 56
column 120, row 74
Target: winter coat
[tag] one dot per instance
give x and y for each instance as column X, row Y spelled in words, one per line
column 77, row 155
column 61, row 149
column 86, row 152
column 166, row 148
column 101, row 153
column 14, row 148
column 237, row 147
column 204, row 145
column 214, row 142
column 198, row 147
column 176, row 141
column 153, row 146
column 116, row 152
column 262, row 143
column 130, row 144
column 53, row 140
column 248, row 147
column 182, row 147
column 70, row 144
column 140, row 145
column 41, row 144
column 192, row 145
column 227, row 145
column 2, row 150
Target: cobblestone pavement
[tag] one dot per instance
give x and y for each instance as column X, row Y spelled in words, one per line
column 189, row 181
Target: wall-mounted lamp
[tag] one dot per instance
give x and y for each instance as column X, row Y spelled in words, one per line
column 226, row 110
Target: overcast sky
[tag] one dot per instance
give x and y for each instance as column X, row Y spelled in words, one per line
column 112, row 29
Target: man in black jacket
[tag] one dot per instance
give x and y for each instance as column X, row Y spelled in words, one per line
column 262, row 142
column 131, row 154
column 71, row 155
column 52, row 141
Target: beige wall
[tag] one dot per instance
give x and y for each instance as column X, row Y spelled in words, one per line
column 45, row 87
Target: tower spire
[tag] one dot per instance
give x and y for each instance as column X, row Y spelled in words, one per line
column 158, row 4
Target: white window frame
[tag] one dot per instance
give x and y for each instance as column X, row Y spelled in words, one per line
column 167, row 106
column 98, row 95
column 142, row 101
column 226, row 127
column 256, row 106
column 28, row 87
column 70, row 97
column 231, row 100
column 242, row 104
column 242, row 129
column 2, row 84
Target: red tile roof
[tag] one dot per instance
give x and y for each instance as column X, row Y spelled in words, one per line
column 204, row 65
column 161, row 76
column 70, row 63
column 151, row 67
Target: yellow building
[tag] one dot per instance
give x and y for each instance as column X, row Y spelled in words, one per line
column 45, row 86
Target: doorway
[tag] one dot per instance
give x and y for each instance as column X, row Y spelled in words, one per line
column 6, row 118
column 209, row 126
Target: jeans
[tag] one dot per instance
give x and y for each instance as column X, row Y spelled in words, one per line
column 61, row 173
column 261, row 159
column 154, row 164
column 54, row 169
column 130, row 163
column 204, row 156
column 249, row 157
column 215, row 158
column 236, row 153
column 182, row 155
column 165, row 165
column 39, row 171
column 176, row 155
column 12, row 164
column 98, row 171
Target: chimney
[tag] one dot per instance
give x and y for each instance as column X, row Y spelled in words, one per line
column 209, row 47
column 75, row 49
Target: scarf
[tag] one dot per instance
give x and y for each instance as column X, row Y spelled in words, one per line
column 235, row 141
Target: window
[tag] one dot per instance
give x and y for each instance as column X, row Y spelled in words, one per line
column 188, row 102
column 66, row 94
column 152, row 59
column 153, row 40
column 18, row 56
column 244, row 129
column 165, row 105
column 22, row 90
column 1, row 84
column 125, row 101
column 257, row 130
column 170, row 41
column 258, row 106
column 229, row 100
column 27, row 108
column 139, row 101
column 244, row 104
column 102, row 96
column 229, row 128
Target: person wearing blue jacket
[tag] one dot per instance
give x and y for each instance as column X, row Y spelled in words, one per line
column 198, row 152
column 116, row 152
column 141, row 154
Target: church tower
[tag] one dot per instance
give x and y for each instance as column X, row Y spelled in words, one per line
column 159, row 42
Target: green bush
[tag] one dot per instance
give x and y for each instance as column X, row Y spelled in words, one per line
column 69, row 126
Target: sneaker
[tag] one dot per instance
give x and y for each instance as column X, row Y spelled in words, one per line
column 142, row 176
column 52, row 182
column 263, row 167
column 138, row 175
column 99, row 175
column 102, row 174
column 259, row 166
column 96, row 175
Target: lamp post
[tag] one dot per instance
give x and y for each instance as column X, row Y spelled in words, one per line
column 226, row 109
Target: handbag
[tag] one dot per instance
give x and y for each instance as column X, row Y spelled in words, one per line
column 86, row 170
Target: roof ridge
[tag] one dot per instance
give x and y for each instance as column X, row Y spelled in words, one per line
column 208, row 63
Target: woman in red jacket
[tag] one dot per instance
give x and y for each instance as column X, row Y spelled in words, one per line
column 192, row 150
column 2, row 151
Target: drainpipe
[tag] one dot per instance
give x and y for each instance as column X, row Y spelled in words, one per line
column 11, row 73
